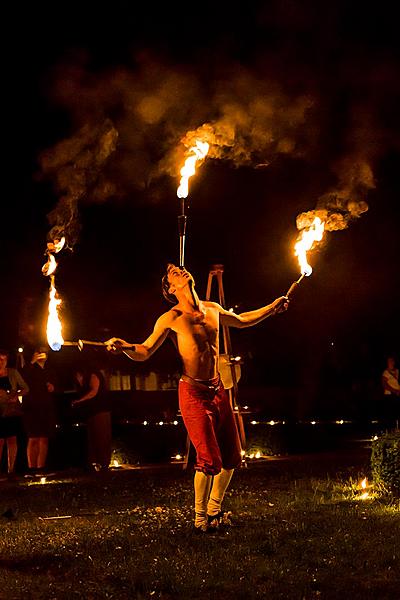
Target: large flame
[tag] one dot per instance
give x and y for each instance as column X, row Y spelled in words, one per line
column 197, row 152
column 54, row 327
column 306, row 241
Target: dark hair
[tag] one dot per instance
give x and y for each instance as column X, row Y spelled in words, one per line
column 4, row 352
column 165, row 288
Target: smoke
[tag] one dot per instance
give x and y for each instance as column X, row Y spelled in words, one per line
column 347, row 200
column 158, row 111
column 75, row 166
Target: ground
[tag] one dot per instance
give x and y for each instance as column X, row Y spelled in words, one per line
column 301, row 531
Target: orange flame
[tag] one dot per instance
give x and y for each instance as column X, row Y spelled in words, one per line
column 54, row 327
column 50, row 266
column 306, row 241
column 364, row 483
column 197, row 152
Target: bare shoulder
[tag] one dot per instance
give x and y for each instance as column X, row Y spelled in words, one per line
column 215, row 305
column 168, row 318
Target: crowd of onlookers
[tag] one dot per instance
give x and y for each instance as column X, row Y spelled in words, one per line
column 28, row 411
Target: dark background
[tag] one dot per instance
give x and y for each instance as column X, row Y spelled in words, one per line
column 156, row 73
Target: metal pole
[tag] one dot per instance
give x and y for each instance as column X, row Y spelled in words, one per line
column 182, row 233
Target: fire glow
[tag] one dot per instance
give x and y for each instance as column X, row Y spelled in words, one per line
column 306, row 242
column 54, row 327
column 196, row 153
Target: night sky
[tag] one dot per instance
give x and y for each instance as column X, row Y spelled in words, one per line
column 303, row 99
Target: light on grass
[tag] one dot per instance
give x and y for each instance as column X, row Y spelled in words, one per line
column 365, row 494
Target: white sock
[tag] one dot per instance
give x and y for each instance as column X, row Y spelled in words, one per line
column 202, row 485
column 219, row 486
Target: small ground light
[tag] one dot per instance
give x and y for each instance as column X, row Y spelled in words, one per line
column 20, row 349
column 313, row 422
column 145, row 423
column 43, row 480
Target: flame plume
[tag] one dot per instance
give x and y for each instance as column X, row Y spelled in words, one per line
column 306, row 242
column 197, row 152
column 54, row 327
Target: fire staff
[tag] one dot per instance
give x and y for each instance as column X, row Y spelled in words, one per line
column 204, row 403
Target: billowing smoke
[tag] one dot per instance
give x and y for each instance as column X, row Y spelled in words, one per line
column 75, row 166
column 348, row 199
column 159, row 110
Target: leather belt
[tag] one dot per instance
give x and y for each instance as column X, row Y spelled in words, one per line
column 204, row 384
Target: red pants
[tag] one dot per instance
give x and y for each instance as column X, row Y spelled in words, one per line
column 211, row 426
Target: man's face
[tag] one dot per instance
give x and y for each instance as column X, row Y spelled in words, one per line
column 178, row 278
column 391, row 363
column 3, row 361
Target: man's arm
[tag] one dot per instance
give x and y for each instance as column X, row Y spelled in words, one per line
column 94, row 385
column 141, row 352
column 389, row 384
column 247, row 319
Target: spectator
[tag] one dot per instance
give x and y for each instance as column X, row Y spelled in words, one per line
column 39, row 416
column 12, row 385
column 93, row 407
column 391, row 389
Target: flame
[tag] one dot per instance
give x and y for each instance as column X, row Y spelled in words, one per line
column 56, row 245
column 197, row 152
column 54, row 327
column 306, row 241
column 49, row 267
column 364, row 483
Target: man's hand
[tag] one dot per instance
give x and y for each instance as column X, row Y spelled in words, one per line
column 75, row 402
column 116, row 344
column 281, row 304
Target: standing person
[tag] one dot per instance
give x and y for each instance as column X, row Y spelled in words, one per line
column 12, row 385
column 93, row 405
column 204, row 403
column 39, row 413
column 391, row 389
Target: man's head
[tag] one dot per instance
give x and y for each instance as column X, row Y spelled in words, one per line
column 175, row 279
column 4, row 354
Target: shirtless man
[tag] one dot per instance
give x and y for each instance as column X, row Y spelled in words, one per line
column 203, row 401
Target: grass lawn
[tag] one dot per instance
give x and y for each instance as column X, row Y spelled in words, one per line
column 301, row 531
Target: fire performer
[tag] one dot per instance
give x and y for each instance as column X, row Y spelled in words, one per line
column 204, row 403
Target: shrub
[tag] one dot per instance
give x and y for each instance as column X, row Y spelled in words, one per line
column 385, row 461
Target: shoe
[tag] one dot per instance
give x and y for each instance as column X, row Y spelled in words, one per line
column 205, row 529
column 9, row 514
column 221, row 519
